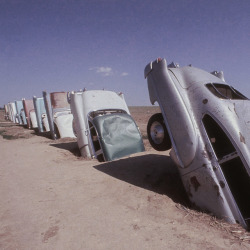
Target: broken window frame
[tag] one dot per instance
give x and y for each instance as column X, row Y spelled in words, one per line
column 227, row 162
column 93, row 133
column 236, row 95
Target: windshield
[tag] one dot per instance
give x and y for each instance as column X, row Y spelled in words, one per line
column 224, row 91
column 93, row 114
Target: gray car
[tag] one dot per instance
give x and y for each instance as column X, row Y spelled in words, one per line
column 206, row 124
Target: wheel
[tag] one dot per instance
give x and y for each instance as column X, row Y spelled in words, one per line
column 157, row 133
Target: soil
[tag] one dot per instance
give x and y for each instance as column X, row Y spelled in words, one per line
column 52, row 198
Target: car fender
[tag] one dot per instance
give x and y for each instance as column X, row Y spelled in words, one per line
column 176, row 116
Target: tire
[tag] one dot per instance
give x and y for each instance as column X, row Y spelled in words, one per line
column 157, row 133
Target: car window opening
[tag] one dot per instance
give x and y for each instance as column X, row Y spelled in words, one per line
column 224, row 91
column 220, row 142
column 96, row 143
column 93, row 114
column 231, row 165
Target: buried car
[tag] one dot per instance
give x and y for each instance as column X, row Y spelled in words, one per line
column 30, row 115
column 41, row 116
column 20, row 113
column 103, row 124
column 58, row 114
column 205, row 122
column 12, row 112
column 6, row 112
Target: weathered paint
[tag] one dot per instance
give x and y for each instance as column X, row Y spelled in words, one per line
column 59, row 114
column 183, row 91
column 82, row 104
column 28, row 106
column 59, row 100
column 40, row 112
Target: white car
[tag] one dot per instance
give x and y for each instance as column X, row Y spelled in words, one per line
column 206, row 123
column 58, row 115
column 104, row 127
column 20, row 113
column 12, row 112
column 41, row 116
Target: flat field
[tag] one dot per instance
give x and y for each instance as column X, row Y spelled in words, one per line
column 51, row 198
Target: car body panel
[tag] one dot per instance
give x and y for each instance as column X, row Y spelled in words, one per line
column 118, row 134
column 33, row 119
column 13, row 112
column 58, row 114
column 99, row 107
column 41, row 115
column 28, row 106
column 192, row 114
column 6, row 112
column 64, row 121
column 20, row 113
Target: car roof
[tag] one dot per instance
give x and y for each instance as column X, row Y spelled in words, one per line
column 189, row 75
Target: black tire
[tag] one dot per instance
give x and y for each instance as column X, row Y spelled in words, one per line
column 157, row 133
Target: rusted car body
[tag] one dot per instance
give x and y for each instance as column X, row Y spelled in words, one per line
column 105, row 130
column 41, row 116
column 59, row 114
column 28, row 107
column 206, row 124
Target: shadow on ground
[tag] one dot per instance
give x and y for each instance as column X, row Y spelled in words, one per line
column 156, row 173
column 69, row 146
column 44, row 134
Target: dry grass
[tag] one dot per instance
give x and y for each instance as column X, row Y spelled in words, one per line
column 238, row 234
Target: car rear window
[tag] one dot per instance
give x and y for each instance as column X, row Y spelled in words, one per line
column 224, row 91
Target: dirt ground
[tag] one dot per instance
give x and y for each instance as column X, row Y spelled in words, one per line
column 51, row 198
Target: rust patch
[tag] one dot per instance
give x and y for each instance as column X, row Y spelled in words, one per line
column 235, row 111
column 222, row 184
column 242, row 138
column 205, row 101
column 195, row 183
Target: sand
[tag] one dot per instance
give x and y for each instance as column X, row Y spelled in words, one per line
column 51, row 198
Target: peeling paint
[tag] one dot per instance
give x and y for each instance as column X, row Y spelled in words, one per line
column 217, row 178
column 206, row 154
column 235, row 111
column 242, row 138
column 205, row 101
column 222, row 184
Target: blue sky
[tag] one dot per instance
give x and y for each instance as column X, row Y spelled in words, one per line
column 65, row 45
